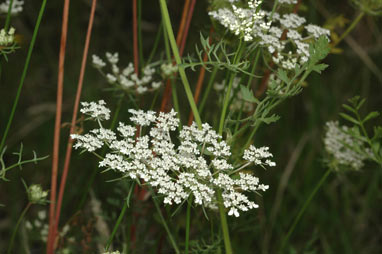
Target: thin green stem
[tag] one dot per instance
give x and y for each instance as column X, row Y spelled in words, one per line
column 173, row 87
column 230, row 84
column 188, row 222
column 164, row 223
column 9, row 14
column 156, row 43
column 254, row 67
column 302, row 210
column 274, row 8
column 10, row 247
column 24, row 73
column 182, row 73
column 350, row 28
column 120, row 217
column 224, row 224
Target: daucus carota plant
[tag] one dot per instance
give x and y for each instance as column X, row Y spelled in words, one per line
column 197, row 167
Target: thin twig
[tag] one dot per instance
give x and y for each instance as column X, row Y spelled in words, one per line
column 74, row 117
column 135, row 37
column 57, row 124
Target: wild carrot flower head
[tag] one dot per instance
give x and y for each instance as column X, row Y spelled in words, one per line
column 126, row 78
column 199, row 165
column 285, row 36
column 346, row 150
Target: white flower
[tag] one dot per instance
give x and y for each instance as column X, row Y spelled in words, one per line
column 292, row 20
column 257, row 156
column 112, row 58
column 142, row 118
column 178, row 171
column 96, row 110
column 267, row 28
column 125, row 78
column 17, row 7
column 317, row 31
column 7, row 38
column 98, row 62
column 342, row 146
column 287, row 1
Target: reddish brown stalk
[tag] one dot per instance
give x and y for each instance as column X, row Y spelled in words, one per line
column 187, row 27
column 264, row 81
column 179, row 36
column 179, row 41
column 57, row 124
column 199, row 84
column 135, row 37
column 73, row 125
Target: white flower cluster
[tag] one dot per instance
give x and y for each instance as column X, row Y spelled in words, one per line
column 17, row 7
column 37, row 195
column 287, row 1
column 258, row 25
column 96, row 110
column 7, row 38
column 168, row 69
column 198, row 166
column 341, row 146
column 242, row 21
column 126, row 78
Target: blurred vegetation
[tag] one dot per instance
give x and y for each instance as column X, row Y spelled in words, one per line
column 345, row 216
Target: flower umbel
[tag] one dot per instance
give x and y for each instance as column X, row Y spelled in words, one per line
column 345, row 149
column 198, row 166
column 37, row 195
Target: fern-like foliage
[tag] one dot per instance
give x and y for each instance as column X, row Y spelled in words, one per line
column 20, row 161
column 218, row 56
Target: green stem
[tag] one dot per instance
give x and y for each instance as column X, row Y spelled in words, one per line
column 274, row 8
column 228, row 93
column 23, row 75
column 254, row 67
column 9, row 13
column 17, row 227
column 171, row 238
column 224, row 224
column 120, row 217
column 306, row 204
column 182, row 73
column 223, row 216
column 188, row 222
column 350, row 28
column 156, row 43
